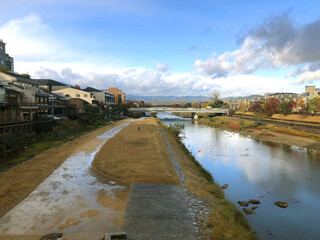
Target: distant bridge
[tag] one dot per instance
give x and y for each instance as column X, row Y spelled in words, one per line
column 194, row 111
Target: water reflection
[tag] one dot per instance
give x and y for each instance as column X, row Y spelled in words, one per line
column 268, row 171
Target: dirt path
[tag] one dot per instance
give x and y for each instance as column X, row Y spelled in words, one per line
column 72, row 198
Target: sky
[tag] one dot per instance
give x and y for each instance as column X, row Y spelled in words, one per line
column 167, row 47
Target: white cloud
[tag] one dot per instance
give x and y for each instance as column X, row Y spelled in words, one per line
column 161, row 67
column 309, row 77
column 140, row 81
column 29, row 39
column 37, row 52
column 277, row 43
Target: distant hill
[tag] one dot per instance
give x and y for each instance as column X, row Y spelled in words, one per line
column 168, row 99
column 243, row 98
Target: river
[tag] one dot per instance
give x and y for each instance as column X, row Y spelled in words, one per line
column 259, row 170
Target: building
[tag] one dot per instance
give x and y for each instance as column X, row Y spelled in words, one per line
column 119, row 96
column 312, row 92
column 5, row 59
column 50, row 85
column 71, row 92
column 283, row 96
column 100, row 96
column 24, row 100
column 74, row 107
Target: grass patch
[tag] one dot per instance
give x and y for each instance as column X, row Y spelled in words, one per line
column 68, row 130
column 35, row 149
column 137, row 154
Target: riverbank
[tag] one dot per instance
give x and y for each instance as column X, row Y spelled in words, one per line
column 17, row 182
column 65, row 131
column 269, row 132
column 142, row 156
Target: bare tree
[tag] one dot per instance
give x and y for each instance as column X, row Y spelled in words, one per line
column 214, row 95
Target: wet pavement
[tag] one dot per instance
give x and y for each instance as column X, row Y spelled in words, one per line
column 71, row 200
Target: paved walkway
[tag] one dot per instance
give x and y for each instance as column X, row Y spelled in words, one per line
column 157, row 211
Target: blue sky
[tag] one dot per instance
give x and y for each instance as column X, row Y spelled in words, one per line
column 148, row 47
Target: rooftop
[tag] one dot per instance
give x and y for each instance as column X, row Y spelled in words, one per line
column 23, row 79
column 50, row 82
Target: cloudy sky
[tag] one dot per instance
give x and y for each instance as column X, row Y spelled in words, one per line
column 167, row 47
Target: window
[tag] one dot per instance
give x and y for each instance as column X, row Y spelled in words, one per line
column 86, row 95
column 77, row 95
column 67, row 95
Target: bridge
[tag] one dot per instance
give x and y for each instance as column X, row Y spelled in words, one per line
column 194, row 111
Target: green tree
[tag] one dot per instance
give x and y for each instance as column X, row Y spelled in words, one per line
column 92, row 114
column 4, row 69
column 217, row 104
column 187, row 105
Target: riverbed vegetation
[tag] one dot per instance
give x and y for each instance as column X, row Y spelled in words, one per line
column 225, row 221
column 64, row 131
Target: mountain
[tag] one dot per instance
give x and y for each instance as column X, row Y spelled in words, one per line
column 243, row 98
column 168, row 99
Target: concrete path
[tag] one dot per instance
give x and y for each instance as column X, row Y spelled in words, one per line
column 157, row 211
column 71, row 200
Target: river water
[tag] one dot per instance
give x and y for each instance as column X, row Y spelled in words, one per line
column 260, row 170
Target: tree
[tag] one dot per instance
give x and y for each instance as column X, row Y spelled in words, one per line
column 214, row 96
column 255, row 107
column 285, row 107
column 196, row 105
column 302, row 106
column 92, row 114
column 217, row 104
column 187, row 105
column 4, row 69
column 314, row 105
column 243, row 107
column 206, row 104
column 26, row 75
column 271, row 106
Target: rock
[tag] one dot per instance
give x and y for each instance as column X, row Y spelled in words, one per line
column 248, row 211
column 281, row 204
column 52, row 236
column 243, row 203
column 224, row 186
column 254, row 207
column 254, row 201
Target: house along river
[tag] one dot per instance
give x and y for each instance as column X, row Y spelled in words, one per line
column 260, row 170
